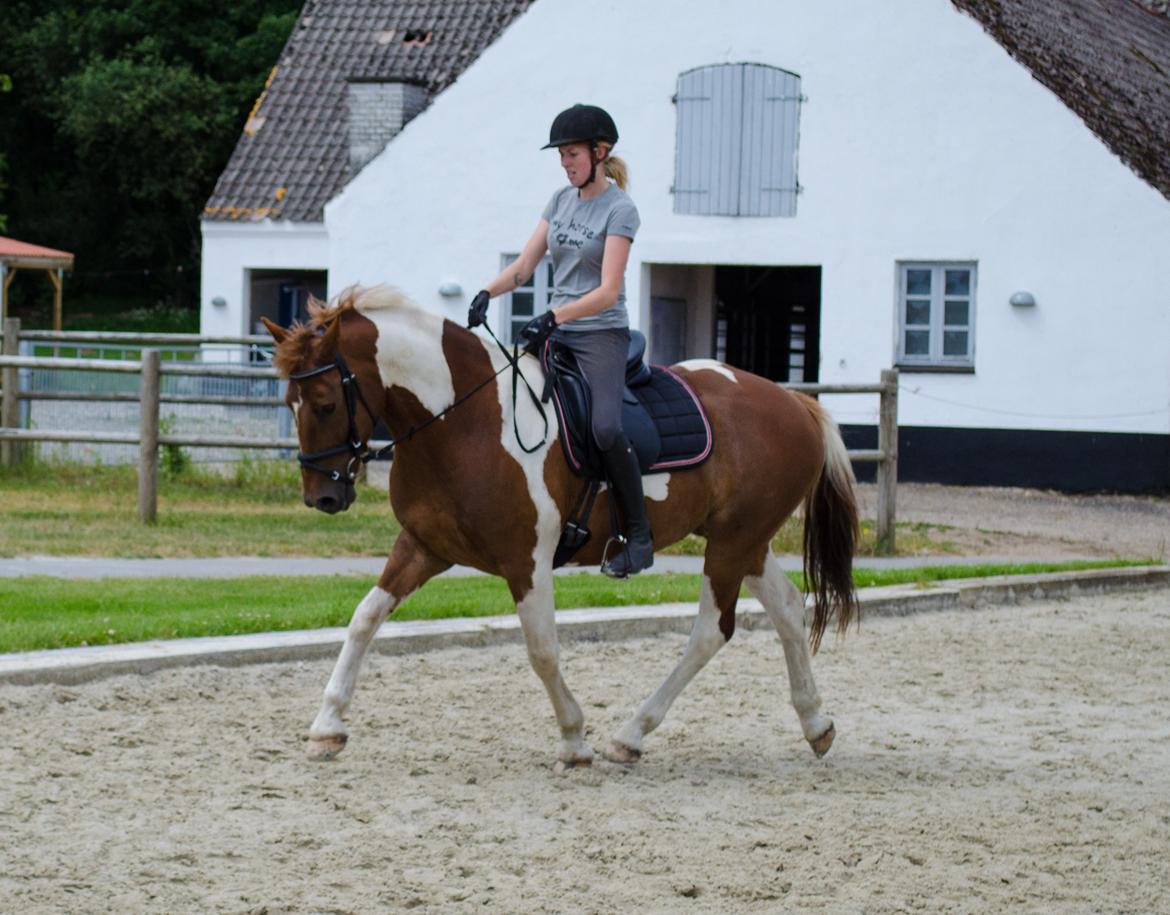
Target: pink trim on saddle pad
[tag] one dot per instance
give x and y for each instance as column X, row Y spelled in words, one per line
column 699, row 458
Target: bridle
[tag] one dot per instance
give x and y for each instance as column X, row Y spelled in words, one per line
column 361, row 453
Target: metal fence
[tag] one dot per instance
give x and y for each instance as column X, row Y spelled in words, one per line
column 245, row 381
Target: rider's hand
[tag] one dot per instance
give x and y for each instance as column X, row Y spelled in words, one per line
column 536, row 331
column 477, row 312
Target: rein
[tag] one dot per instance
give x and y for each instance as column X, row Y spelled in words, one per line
column 360, row 452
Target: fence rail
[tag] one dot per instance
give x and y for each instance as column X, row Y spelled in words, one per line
column 150, row 368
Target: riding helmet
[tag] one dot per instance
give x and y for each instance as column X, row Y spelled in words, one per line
column 582, row 124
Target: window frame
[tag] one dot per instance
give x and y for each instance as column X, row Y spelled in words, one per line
column 935, row 360
column 539, row 286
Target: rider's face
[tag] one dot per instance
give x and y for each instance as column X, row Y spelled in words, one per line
column 576, row 161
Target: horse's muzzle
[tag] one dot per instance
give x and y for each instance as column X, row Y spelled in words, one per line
column 333, row 499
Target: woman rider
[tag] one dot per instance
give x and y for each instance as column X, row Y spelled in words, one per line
column 588, row 228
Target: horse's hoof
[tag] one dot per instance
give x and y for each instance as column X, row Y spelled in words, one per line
column 323, row 749
column 820, row 745
column 564, row 766
column 620, row 753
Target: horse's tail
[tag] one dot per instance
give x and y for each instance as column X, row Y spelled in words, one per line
column 830, row 534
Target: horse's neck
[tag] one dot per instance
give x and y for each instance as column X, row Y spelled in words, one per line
column 409, row 354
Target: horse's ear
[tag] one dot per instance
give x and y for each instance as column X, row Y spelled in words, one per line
column 279, row 334
column 330, row 337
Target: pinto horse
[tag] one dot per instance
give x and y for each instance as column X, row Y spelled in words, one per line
column 467, row 492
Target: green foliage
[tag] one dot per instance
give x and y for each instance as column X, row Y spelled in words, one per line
column 175, row 461
column 122, row 115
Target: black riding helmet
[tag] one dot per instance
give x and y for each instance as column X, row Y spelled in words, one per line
column 583, row 124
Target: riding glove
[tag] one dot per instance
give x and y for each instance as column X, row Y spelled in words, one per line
column 536, row 331
column 477, row 313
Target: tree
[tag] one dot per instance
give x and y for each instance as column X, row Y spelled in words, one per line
column 123, row 115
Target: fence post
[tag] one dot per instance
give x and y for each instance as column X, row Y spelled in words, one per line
column 887, row 473
column 148, row 437
column 10, row 406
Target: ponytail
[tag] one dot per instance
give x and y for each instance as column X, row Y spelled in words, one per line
column 615, row 167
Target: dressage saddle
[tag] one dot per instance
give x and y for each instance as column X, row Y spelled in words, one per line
column 661, row 416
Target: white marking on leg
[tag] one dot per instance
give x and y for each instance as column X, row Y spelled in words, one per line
column 785, row 607
column 656, row 486
column 369, row 615
column 538, row 621
column 709, row 365
column 706, row 639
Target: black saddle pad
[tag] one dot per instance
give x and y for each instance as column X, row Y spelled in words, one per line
column 661, row 416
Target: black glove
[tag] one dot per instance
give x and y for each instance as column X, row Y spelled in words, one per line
column 536, row 331
column 477, row 312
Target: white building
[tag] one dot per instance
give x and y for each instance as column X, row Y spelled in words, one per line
column 826, row 190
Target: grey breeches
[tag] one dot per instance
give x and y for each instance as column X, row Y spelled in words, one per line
column 601, row 355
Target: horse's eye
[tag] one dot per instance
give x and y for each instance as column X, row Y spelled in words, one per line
column 324, row 409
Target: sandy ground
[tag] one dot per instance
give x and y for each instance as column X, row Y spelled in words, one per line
column 1002, row 759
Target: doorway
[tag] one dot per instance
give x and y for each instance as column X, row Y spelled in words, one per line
column 768, row 320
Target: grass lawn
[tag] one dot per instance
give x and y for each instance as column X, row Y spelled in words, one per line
column 63, row 509
column 56, row 613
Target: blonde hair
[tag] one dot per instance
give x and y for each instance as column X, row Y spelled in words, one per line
column 615, row 167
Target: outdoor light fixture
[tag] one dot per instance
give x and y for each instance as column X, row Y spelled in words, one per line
column 450, row 288
column 1023, row 299
column 219, row 301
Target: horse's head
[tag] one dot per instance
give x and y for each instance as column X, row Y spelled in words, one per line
column 333, row 416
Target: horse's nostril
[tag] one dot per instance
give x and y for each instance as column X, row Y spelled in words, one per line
column 328, row 504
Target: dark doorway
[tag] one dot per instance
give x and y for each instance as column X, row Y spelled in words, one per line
column 283, row 295
column 768, row 320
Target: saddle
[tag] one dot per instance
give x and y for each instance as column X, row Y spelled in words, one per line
column 661, row 416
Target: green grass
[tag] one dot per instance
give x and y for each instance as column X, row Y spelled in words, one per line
column 44, row 613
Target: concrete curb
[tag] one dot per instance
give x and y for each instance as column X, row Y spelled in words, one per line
column 80, row 665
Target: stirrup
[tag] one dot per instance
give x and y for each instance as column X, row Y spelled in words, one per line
column 623, row 549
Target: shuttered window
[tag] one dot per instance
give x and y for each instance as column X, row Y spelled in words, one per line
column 736, row 148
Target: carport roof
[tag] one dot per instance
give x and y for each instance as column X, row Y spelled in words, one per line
column 1107, row 60
column 292, row 156
column 21, row 254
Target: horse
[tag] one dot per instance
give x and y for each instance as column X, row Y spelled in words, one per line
column 472, row 484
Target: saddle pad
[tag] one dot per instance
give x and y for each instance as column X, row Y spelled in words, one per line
column 679, row 417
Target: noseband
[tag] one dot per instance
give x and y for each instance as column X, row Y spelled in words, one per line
column 359, row 451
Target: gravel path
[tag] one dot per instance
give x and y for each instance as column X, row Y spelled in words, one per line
column 1012, row 759
column 1030, row 522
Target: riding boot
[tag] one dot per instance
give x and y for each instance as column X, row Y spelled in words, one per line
column 625, row 476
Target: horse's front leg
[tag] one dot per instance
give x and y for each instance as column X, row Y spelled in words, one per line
column 409, row 565
column 536, row 610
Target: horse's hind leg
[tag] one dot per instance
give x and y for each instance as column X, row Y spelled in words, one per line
column 785, row 607
column 407, row 568
column 712, row 629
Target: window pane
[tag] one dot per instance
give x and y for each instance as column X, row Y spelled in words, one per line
column 522, row 304
column 917, row 282
column 517, row 326
column 918, row 311
column 958, row 282
column 917, row 343
column 955, row 343
column 956, row 312
column 550, row 273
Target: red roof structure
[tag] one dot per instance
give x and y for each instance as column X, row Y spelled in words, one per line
column 20, row 255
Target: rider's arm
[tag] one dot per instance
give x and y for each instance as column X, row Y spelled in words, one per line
column 613, row 268
column 525, row 265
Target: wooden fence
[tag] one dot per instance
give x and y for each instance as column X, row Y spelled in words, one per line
column 150, row 368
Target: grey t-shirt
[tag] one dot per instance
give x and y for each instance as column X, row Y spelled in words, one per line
column 577, row 230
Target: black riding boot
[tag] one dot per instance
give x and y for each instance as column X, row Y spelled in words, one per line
column 626, row 478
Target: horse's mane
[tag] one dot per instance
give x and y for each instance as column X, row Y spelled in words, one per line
column 291, row 353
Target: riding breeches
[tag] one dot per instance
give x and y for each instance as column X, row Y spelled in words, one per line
column 601, row 356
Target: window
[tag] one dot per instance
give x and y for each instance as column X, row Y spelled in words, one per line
column 520, row 305
column 936, row 316
column 736, row 147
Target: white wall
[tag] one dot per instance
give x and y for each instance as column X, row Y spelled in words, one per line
column 921, row 139
column 232, row 249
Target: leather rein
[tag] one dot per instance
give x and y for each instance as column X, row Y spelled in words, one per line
column 360, row 452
